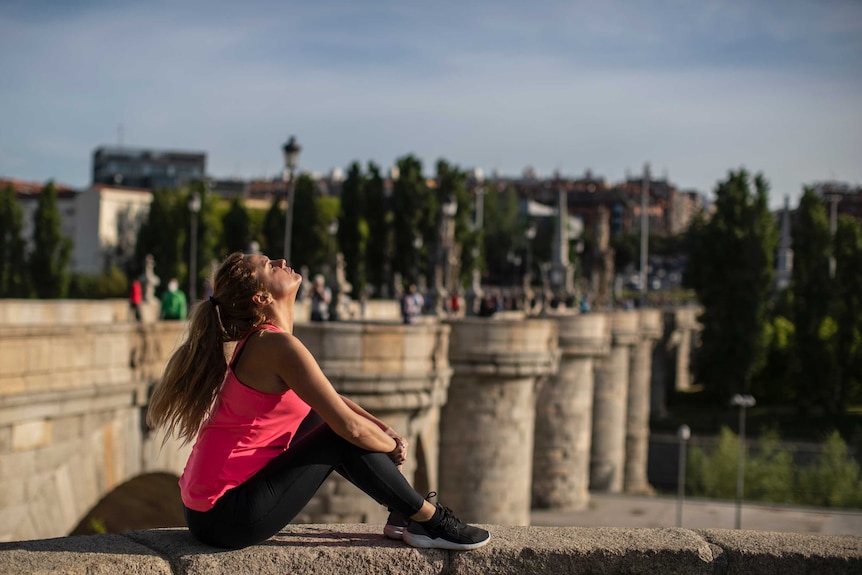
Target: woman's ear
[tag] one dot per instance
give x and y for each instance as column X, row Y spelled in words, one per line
column 262, row 298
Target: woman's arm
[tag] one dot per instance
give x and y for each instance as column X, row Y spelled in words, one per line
column 295, row 365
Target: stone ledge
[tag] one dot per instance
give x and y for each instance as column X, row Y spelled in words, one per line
column 361, row 549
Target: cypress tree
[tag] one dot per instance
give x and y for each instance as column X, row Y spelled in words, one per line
column 52, row 251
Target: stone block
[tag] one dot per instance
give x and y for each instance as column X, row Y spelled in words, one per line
column 13, row 522
column 17, row 464
column 31, row 434
column 12, row 491
column 5, row 438
column 84, row 555
column 786, row 553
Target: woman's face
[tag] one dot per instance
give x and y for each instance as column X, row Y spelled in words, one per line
column 278, row 279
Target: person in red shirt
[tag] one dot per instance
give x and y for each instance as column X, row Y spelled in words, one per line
column 253, row 467
column 136, row 297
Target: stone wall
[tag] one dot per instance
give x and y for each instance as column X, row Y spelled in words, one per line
column 73, row 395
column 362, row 549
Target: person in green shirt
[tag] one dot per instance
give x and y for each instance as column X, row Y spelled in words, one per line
column 174, row 304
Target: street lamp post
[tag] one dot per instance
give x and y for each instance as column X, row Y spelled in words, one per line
column 291, row 157
column 742, row 401
column 332, row 229
column 644, row 234
column 194, row 210
column 530, row 234
column 684, row 434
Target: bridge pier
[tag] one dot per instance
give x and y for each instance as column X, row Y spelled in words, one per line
column 564, row 414
column 487, row 425
column 638, row 403
column 399, row 373
column 609, row 406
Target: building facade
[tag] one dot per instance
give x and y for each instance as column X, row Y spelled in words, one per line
column 147, row 169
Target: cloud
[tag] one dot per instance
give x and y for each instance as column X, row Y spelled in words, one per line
column 696, row 88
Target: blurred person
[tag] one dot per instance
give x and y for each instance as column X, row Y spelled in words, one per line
column 174, row 304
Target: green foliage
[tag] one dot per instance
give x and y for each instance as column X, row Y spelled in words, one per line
column 273, row 230
column 501, row 230
column 376, row 215
column 834, row 480
column 771, row 476
column 770, row 384
column 326, row 210
column 847, row 310
column 14, row 276
column 209, row 234
column 97, row 526
column 237, row 227
column 162, row 233
column 812, row 359
column 714, row 474
column 112, row 284
column 52, row 251
column 731, row 269
column 353, row 227
column 308, row 244
column 413, row 207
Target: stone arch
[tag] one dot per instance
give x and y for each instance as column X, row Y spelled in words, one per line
column 147, row 501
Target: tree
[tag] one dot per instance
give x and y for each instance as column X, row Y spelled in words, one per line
column 352, row 227
column 451, row 185
column 14, row 279
column 731, row 269
column 273, row 230
column 811, row 287
column 162, row 235
column 52, row 251
column 378, row 217
column 237, row 226
column 308, row 244
column 209, row 234
column 501, row 228
column 412, row 207
column 847, row 311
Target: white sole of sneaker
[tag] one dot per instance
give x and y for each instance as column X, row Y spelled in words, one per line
column 425, row 542
column 394, row 532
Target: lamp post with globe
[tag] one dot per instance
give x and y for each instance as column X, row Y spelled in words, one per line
column 291, row 158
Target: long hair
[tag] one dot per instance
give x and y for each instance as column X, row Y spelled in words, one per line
column 194, row 374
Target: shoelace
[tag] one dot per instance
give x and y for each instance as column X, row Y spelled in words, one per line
column 449, row 523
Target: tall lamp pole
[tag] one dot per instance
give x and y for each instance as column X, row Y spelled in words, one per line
column 742, row 401
column 291, row 157
column 530, row 234
column 644, row 233
column 194, row 210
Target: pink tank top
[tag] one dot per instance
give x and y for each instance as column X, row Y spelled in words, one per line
column 245, row 431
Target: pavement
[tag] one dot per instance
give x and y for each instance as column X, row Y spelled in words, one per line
column 610, row 510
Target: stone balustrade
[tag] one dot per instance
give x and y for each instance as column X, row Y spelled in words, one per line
column 509, row 429
column 361, row 549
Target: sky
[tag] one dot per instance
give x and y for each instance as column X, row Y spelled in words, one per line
column 694, row 88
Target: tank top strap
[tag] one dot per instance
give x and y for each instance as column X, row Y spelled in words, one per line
column 241, row 345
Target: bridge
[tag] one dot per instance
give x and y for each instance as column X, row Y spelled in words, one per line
column 552, row 406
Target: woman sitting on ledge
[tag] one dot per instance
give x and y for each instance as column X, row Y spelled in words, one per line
column 254, row 466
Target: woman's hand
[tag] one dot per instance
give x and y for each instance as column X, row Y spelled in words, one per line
column 399, row 454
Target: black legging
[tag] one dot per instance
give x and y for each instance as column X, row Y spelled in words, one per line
column 259, row 508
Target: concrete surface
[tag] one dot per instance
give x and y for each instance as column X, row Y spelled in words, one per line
column 608, row 510
column 360, row 549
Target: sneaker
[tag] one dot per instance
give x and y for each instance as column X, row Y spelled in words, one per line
column 445, row 531
column 395, row 525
